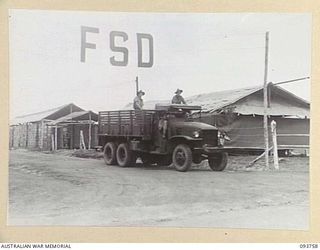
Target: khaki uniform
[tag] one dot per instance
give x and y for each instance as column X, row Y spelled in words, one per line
column 137, row 103
column 178, row 99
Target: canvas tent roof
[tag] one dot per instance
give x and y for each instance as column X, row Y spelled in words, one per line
column 249, row 101
column 210, row 102
column 50, row 114
column 215, row 101
column 76, row 117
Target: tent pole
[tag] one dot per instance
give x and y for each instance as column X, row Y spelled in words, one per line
column 89, row 143
column 56, row 137
column 265, row 102
column 275, row 144
column 52, row 142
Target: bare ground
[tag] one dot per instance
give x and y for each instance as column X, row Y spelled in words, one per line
column 56, row 189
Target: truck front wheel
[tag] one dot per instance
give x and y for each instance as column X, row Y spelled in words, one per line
column 182, row 157
column 109, row 153
column 125, row 156
column 218, row 161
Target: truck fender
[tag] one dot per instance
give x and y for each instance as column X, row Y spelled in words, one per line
column 181, row 139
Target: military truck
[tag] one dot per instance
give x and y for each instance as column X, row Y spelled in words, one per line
column 164, row 136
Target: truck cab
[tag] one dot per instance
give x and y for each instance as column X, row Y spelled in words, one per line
column 166, row 135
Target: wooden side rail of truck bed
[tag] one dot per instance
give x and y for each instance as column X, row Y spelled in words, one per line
column 134, row 123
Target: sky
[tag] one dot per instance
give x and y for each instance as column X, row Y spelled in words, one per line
column 196, row 52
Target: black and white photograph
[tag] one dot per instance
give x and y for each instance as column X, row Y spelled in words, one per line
column 146, row 119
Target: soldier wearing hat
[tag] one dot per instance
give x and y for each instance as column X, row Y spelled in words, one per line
column 138, row 102
column 177, row 98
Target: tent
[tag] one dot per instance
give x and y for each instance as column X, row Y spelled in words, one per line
column 240, row 114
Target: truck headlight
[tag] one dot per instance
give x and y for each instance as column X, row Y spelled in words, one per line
column 196, row 134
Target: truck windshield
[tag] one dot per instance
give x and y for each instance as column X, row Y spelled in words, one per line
column 183, row 115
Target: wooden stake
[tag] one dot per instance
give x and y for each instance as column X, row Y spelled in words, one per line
column 250, row 164
column 82, row 143
column 52, row 142
column 89, row 143
column 275, row 145
column 56, row 137
column 265, row 102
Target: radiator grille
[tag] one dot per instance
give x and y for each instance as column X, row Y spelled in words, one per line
column 210, row 137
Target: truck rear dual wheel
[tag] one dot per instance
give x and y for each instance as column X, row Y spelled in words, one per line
column 121, row 155
column 218, row 161
column 110, row 153
column 182, row 157
column 125, row 156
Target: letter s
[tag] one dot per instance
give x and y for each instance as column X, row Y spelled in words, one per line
column 115, row 48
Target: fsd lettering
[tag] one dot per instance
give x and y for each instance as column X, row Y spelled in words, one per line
column 116, row 48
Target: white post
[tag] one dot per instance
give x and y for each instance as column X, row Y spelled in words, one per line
column 265, row 103
column 275, row 144
column 89, row 143
column 81, row 145
column 52, row 142
column 56, row 137
column 82, row 140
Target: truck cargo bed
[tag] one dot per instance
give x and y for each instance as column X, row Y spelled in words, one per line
column 130, row 123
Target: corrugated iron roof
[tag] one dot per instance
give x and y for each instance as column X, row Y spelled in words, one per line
column 76, row 116
column 208, row 101
column 214, row 101
column 38, row 116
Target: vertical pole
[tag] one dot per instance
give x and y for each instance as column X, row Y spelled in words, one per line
column 52, row 142
column 89, row 143
column 275, row 145
column 82, row 141
column 265, row 102
column 27, row 135
column 137, row 85
column 55, row 137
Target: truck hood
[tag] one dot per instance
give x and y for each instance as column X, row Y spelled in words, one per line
column 195, row 125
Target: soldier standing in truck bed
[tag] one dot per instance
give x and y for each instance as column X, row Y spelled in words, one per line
column 138, row 102
column 177, row 98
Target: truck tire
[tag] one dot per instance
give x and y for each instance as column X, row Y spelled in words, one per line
column 125, row 156
column 182, row 157
column 218, row 161
column 110, row 153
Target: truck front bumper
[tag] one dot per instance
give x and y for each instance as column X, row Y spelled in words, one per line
column 206, row 149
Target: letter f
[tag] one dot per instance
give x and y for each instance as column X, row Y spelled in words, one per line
column 84, row 44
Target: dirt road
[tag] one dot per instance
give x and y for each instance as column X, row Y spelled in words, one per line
column 51, row 189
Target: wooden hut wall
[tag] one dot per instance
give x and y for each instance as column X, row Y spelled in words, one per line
column 11, row 136
column 18, row 133
column 47, row 140
column 35, row 135
column 69, row 136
